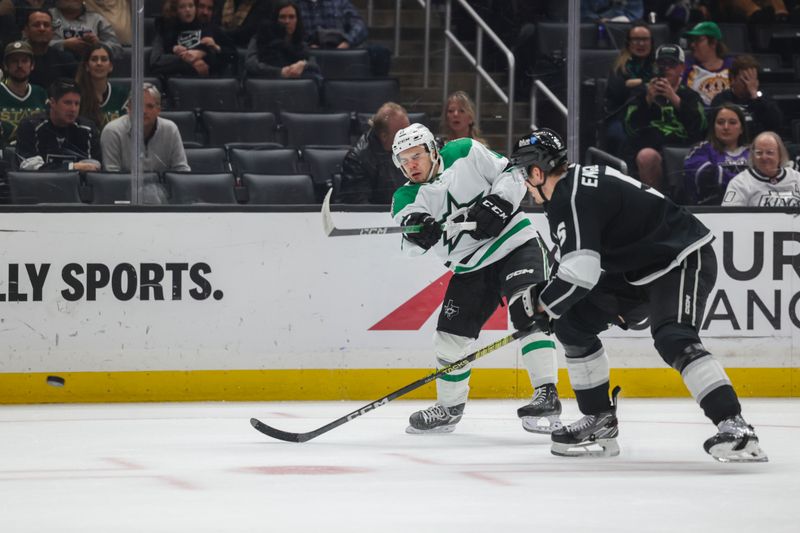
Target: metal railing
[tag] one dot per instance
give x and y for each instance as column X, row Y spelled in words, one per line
column 476, row 61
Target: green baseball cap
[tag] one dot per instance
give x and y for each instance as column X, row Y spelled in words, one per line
column 707, row 28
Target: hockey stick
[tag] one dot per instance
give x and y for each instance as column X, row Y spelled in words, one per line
column 332, row 231
column 303, row 437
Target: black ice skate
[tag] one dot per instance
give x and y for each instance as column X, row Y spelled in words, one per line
column 543, row 414
column 591, row 436
column 736, row 442
column 435, row 419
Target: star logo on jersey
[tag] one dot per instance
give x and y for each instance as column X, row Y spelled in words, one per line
column 458, row 212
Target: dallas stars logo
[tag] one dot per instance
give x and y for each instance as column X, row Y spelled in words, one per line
column 459, row 213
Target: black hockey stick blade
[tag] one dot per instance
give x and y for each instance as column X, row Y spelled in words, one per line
column 331, row 230
column 303, row 437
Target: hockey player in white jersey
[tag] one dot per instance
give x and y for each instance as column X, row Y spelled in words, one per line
column 503, row 256
column 628, row 255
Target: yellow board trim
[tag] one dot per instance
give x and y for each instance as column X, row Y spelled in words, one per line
column 321, row 384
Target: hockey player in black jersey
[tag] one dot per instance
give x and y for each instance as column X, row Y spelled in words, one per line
column 627, row 256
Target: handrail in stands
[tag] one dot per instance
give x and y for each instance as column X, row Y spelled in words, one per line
column 476, row 62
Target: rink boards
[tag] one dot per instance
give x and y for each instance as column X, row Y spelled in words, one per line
column 216, row 305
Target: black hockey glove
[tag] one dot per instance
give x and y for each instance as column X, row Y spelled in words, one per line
column 491, row 215
column 430, row 233
column 522, row 310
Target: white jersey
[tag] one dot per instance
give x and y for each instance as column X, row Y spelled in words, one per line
column 471, row 172
column 750, row 188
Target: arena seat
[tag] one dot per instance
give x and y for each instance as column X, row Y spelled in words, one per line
column 342, row 64
column 223, row 127
column 277, row 95
column 193, row 188
column 271, row 161
column 206, row 94
column 316, row 129
column 364, row 96
column 187, row 125
column 279, row 189
column 115, row 187
column 207, row 160
column 43, row 187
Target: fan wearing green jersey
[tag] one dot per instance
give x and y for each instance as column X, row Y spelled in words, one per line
column 500, row 258
column 19, row 99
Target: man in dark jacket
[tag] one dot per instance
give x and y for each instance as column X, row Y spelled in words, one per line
column 666, row 113
column 59, row 139
column 369, row 176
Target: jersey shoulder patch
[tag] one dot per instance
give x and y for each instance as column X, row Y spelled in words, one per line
column 404, row 196
column 455, row 150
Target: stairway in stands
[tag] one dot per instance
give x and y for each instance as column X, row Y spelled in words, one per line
column 407, row 68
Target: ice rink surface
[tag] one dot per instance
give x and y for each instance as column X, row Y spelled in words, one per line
column 203, row 468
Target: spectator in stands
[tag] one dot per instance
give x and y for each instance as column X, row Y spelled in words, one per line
column 279, row 49
column 611, row 10
column 714, row 162
column 338, row 24
column 240, row 19
column 101, row 101
column 206, row 12
column 59, row 139
column 667, row 113
column 630, row 73
column 182, row 45
column 14, row 15
column 761, row 112
column 768, row 182
column 458, row 119
column 19, row 99
column 50, row 63
column 369, row 175
column 117, row 13
column 77, row 28
column 163, row 146
column 707, row 72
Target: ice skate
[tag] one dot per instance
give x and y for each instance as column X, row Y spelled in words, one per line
column 543, row 414
column 591, row 436
column 435, row 419
column 736, row 442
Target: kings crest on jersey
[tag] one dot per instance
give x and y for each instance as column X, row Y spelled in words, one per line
column 471, row 172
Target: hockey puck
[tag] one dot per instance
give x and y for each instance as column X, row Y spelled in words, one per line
column 55, row 381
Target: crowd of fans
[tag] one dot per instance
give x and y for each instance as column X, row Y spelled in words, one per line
column 59, row 99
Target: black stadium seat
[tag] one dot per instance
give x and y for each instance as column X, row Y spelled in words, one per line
column 597, row 63
column 207, row 160
column 274, row 161
column 324, row 165
column 316, row 129
column 191, row 188
column 44, row 187
column 115, row 187
column 342, row 64
column 207, row 94
column 223, row 127
column 187, row 125
column 364, row 96
column 673, row 158
column 279, row 189
column 294, row 96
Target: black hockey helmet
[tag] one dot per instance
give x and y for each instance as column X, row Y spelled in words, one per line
column 543, row 148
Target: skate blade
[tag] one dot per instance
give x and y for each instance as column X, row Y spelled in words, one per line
column 541, row 425
column 597, row 448
column 725, row 452
column 440, row 429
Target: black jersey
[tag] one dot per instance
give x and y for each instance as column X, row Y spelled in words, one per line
column 603, row 220
column 37, row 135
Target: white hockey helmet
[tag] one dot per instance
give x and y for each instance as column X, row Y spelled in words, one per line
column 415, row 135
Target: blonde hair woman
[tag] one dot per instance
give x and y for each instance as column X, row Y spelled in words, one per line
column 458, row 118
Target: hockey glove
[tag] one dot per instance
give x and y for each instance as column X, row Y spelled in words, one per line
column 491, row 215
column 523, row 313
column 430, row 233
